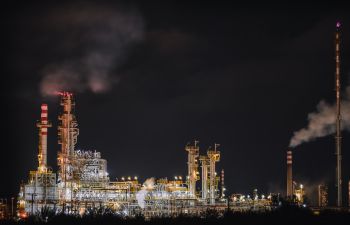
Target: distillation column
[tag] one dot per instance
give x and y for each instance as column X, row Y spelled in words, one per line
column 43, row 125
column 289, row 174
column 205, row 164
column 214, row 156
column 193, row 154
column 338, row 119
column 68, row 132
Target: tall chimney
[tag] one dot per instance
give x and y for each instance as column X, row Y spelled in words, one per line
column 289, row 174
column 338, row 120
column 43, row 125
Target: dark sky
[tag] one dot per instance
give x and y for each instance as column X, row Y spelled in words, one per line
column 150, row 78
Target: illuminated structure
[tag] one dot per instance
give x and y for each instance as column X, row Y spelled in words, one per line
column 242, row 203
column 205, row 165
column 214, row 156
column 299, row 193
column 83, row 181
column 41, row 188
column 43, row 125
column 338, row 118
column 223, row 189
column 192, row 163
column 322, row 195
column 68, row 134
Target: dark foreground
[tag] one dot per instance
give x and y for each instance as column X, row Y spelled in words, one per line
column 281, row 216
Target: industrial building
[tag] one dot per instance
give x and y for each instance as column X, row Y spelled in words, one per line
column 82, row 181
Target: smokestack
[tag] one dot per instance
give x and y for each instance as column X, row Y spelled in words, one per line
column 43, row 125
column 289, row 174
column 338, row 120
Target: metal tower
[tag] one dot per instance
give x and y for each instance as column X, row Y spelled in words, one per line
column 68, row 133
column 193, row 154
column 214, row 156
column 338, row 119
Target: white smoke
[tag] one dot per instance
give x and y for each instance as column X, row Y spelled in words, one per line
column 95, row 41
column 140, row 196
column 148, row 185
column 322, row 122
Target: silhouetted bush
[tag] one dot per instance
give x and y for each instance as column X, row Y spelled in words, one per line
column 286, row 214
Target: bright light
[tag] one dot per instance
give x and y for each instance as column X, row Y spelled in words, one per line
column 180, row 177
column 129, row 178
column 175, row 177
column 338, row 24
column 135, row 178
column 301, row 186
column 123, row 178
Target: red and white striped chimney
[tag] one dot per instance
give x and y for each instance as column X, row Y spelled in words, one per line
column 43, row 125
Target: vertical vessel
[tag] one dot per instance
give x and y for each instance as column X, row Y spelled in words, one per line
column 193, row 154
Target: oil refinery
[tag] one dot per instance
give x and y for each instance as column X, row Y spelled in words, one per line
column 82, row 181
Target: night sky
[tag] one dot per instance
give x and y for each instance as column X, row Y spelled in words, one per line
column 149, row 78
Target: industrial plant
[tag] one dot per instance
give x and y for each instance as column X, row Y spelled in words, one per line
column 82, row 182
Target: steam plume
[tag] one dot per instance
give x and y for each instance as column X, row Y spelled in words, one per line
column 148, row 185
column 95, row 42
column 322, row 122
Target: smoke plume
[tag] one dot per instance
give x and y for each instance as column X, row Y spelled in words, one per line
column 322, row 122
column 95, row 41
column 148, row 185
